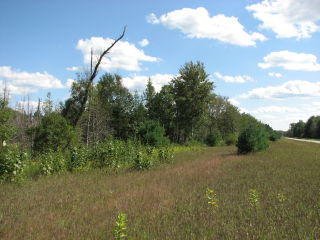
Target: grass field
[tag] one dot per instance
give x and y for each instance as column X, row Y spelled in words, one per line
column 169, row 202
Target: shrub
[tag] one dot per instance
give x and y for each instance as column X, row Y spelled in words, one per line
column 50, row 162
column 12, row 163
column 230, row 139
column 152, row 133
column 53, row 133
column 252, row 139
column 142, row 161
column 165, row 155
column 213, row 139
column 78, row 158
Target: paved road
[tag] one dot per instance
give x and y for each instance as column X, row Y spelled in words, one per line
column 303, row 140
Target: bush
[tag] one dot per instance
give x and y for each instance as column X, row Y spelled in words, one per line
column 53, row 133
column 78, row 158
column 274, row 136
column 50, row 162
column 252, row 139
column 165, row 155
column 145, row 158
column 213, row 139
column 12, row 163
column 230, row 139
column 152, row 133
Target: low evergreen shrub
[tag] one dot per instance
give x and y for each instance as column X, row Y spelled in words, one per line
column 252, row 139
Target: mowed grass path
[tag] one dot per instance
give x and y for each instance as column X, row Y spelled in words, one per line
column 169, row 202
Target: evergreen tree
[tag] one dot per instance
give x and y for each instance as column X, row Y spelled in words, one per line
column 149, row 95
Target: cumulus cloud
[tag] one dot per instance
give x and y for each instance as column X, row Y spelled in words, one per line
column 234, row 101
column 197, row 23
column 139, row 82
column 280, row 117
column 296, row 88
column 144, row 42
column 123, row 55
column 290, row 61
column 273, row 74
column 19, row 82
column 233, row 79
column 69, row 82
column 288, row 18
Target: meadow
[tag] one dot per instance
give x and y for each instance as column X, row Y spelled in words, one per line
column 212, row 193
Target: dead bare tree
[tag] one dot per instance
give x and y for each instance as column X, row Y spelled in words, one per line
column 93, row 74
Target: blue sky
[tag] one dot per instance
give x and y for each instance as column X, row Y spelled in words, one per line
column 263, row 54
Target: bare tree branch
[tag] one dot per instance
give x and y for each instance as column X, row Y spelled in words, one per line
column 94, row 74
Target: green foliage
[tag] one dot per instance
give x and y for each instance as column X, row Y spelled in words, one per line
column 191, row 91
column 272, row 134
column 119, row 103
column 12, row 163
column 230, row 139
column 165, row 155
column 120, row 229
column 78, row 158
column 212, row 198
column 71, row 110
column 213, row 139
column 162, row 109
column 151, row 133
column 53, row 133
column 311, row 128
column 254, row 199
column 143, row 160
column 252, row 139
column 6, row 130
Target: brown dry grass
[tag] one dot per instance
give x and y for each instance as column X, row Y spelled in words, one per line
column 84, row 205
column 169, row 202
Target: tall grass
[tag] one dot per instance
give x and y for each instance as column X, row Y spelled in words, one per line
column 267, row 195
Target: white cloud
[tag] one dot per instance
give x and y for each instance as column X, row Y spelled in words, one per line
column 139, row 82
column 273, row 74
column 197, row 23
column 152, row 18
column 123, row 55
column 274, row 109
column 316, row 104
column 280, row 117
column 243, row 110
column 234, row 101
column 233, row 79
column 73, row 69
column 290, row 61
column 296, row 88
column 288, row 18
column 69, row 82
column 20, row 83
column 144, row 42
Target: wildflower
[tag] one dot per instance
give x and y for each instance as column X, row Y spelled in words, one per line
column 212, row 197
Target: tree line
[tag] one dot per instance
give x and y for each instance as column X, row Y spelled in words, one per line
column 184, row 110
column 308, row 129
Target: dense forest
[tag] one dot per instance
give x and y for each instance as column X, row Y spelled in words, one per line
column 309, row 129
column 114, row 120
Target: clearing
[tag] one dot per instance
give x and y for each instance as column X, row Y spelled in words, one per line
column 169, row 202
